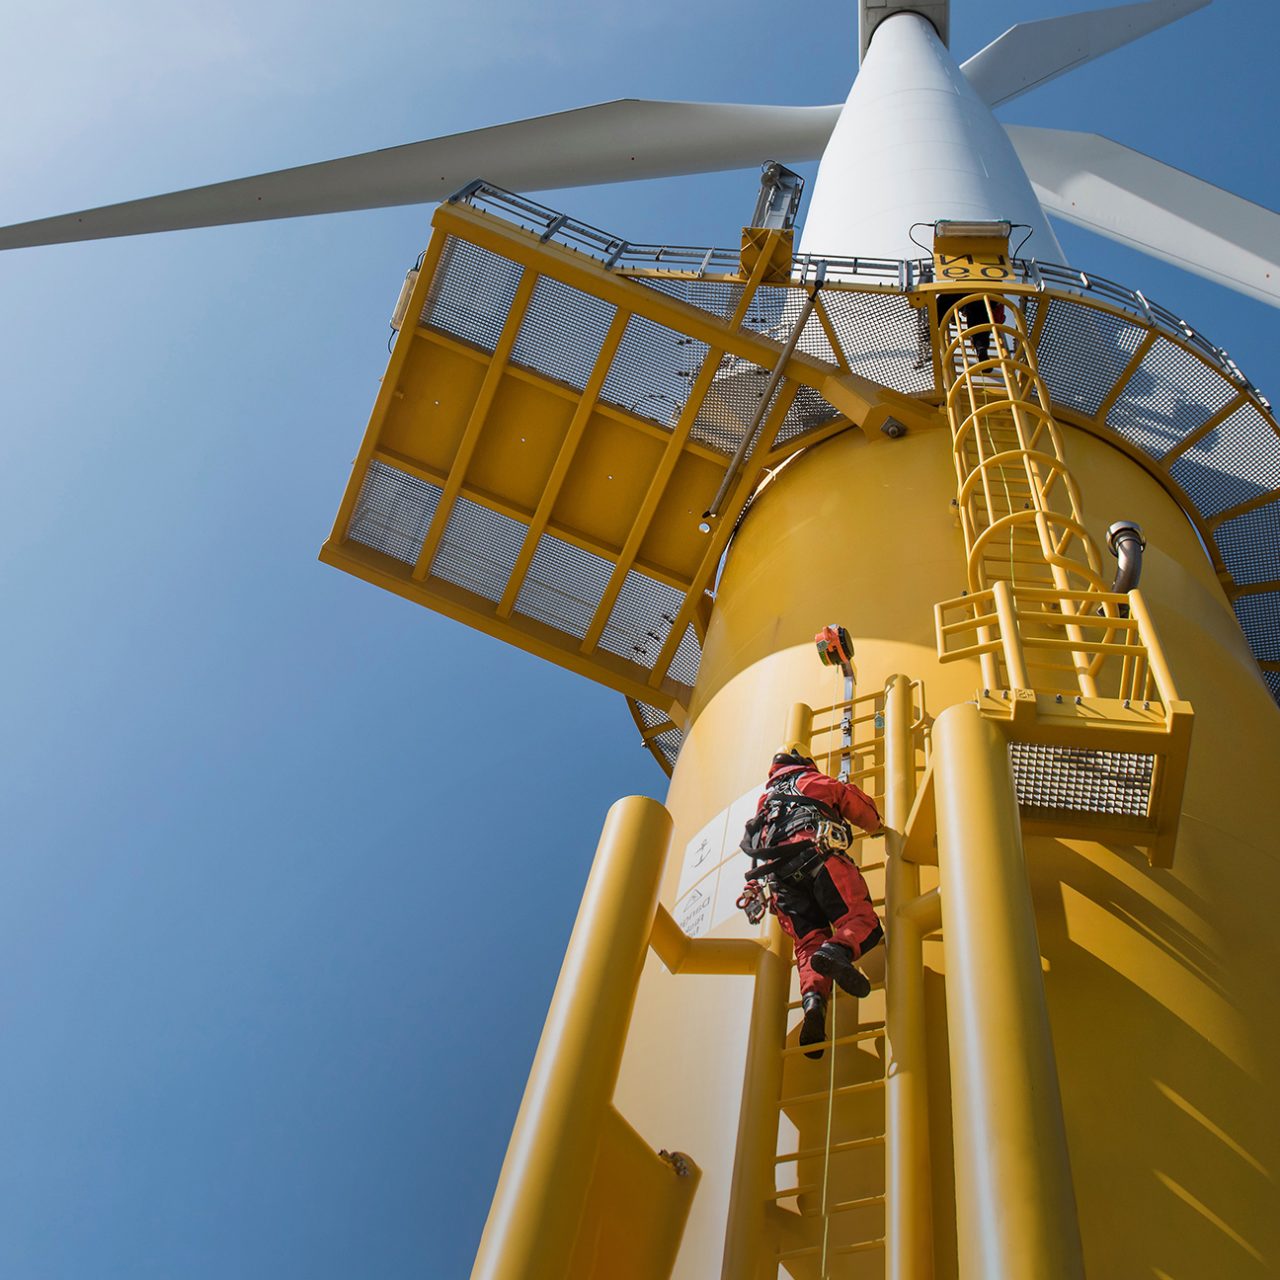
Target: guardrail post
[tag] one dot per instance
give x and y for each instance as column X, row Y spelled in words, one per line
column 542, row 1190
column 1015, row 1205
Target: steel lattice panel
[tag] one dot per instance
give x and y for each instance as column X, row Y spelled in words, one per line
column 393, row 512
column 1250, row 545
column 653, row 371
column 1171, row 394
column 562, row 332
column 719, row 297
column 1113, row 783
column 883, row 338
column 1082, row 353
column 640, row 619
column 687, row 659
column 471, row 293
column 1238, row 460
column 478, row 549
column 564, row 586
column 1259, row 616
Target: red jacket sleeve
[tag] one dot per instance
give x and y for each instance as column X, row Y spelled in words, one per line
column 851, row 801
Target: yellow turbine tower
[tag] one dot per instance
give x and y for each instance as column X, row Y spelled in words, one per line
column 1047, row 511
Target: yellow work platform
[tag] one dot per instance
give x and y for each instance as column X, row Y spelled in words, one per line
column 559, row 453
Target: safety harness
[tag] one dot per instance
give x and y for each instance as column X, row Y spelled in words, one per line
column 786, row 812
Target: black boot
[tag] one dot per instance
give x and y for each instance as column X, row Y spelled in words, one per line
column 834, row 960
column 813, row 1030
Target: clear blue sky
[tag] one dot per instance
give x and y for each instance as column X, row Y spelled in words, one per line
column 289, row 864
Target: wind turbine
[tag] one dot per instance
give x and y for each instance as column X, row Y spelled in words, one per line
column 1233, row 248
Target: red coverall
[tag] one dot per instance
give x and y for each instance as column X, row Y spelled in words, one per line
column 834, row 902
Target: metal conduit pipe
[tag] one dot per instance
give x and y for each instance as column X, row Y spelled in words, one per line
column 1126, row 543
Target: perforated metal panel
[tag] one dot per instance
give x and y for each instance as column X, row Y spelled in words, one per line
column 1116, row 783
column 1260, row 617
column 471, row 293
column 478, row 549
column 1081, row 353
column 1250, row 545
column 393, row 512
column 564, row 586
column 640, row 619
column 562, row 332
column 1236, row 461
column 882, row 338
column 653, row 370
column 1171, row 394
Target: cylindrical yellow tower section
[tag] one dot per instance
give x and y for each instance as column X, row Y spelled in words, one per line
column 1160, row 983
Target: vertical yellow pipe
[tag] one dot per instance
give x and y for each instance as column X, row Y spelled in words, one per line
column 745, row 1242
column 909, row 1224
column 534, row 1218
column 752, row 1182
column 1015, row 1205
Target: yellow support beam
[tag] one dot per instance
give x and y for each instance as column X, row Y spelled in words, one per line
column 1015, row 1203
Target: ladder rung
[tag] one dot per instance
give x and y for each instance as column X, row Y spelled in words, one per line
column 845, row 1090
column 854, row 1038
column 836, row 1251
column 836, row 1148
column 846, row 1206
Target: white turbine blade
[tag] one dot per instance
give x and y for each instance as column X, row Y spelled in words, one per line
column 1030, row 54
column 1128, row 196
column 611, row 142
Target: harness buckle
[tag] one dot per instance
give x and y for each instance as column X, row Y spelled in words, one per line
column 833, row 835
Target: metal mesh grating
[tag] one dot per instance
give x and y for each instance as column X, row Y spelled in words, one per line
column 1170, row 396
column 563, row 586
column 641, row 619
column 1260, row 619
column 882, row 338
column 808, row 411
column 650, row 715
column 471, row 293
column 1107, row 782
column 1250, row 544
column 653, row 370
column 1273, row 683
column 687, row 659
column 1237, row 460
column 716, row 296
column 478, row 549
column 562, row 332
column 393, row 512
column 1082, row 354
column 667, row 745
column 732, row 400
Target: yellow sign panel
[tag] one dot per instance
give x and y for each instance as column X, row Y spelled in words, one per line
column 972, row 261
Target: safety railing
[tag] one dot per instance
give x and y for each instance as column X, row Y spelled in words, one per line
column 1046, row 639
column 869, row 274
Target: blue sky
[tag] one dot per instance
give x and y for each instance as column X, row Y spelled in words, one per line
column 289, row 864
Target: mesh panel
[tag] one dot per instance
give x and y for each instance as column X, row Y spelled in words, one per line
column 393, row 512
column 882, row 338
column 687, row 659
column 471, row 293
column 478, row 549
column 650, row 716
column 1082, row 353
column 563, row 586
column 1260, row 618
column 715, row 296
column 807, row 412
column 1273, row 683
column 640, row 619
column 1237, row 460
column 653, row 370
column 1250, row 544
column 1110, row 782
column 562, row 332
column 667, row 745
column 1170, row 395
column 731, row 402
